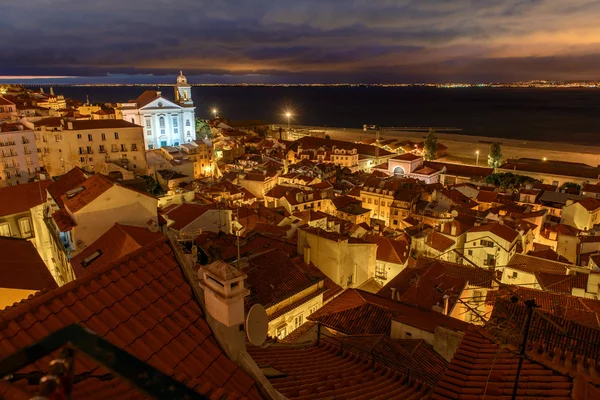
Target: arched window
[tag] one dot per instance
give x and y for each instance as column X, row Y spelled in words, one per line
column 161, row 122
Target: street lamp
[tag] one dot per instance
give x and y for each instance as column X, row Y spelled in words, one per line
column 288, row 116
column 477, row 162
column 214, row 111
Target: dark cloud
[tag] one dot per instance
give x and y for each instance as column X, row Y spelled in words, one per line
column 332, row 40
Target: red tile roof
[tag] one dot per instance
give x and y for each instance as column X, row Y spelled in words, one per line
column 356, row 312
column 184, row 214
column 333, row 289
column 21, row 266
column 83, row 124
column 273, row 278
column 481, row 369
column 573, row 308
column 562, row 283
column 421, row 285
column 589, row 203
column 407, row 157
column 439, row 242
column 20, row 198
column 142, row 304
column 325, row 372
column 411, row 356
column 145, row 98
column 117, row 242
column 498, row 229
column 5, row 102
column 69, row 181
column 94, row 186
column 548, row 254
column 529, row 264
column 390, row 250
column 63, row 220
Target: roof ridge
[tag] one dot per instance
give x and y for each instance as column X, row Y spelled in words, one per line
column 37, row 300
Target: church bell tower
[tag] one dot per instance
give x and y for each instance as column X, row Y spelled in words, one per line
column 183, row 92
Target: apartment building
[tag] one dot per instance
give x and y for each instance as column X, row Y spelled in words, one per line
column 18, row 156
column 112, row 147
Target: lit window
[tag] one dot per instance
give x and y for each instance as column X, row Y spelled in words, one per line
column 4, row 229
column 25, row 227
column 161, row 122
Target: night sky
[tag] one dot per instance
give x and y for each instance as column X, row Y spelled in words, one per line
column 304, row 40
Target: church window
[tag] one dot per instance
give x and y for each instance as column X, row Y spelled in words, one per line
column 161, row 122
column 175, row 122
column 148, row 123
column 187, row 122
column 175, row 131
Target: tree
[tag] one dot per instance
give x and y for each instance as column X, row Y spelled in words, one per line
column 152, row 186
column 571, row 187
column 507, row 180
column 495, row 155
column 430, row 146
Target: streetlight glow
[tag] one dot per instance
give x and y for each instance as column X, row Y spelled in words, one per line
column 214, row 111
column 288, row 116
column 477, row 162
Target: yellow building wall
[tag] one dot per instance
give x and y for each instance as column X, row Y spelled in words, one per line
column 8, row 297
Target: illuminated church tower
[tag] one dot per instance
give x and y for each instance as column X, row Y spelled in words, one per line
column 183, row 92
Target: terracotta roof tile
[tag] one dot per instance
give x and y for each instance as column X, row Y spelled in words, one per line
column 20, row 198
column 439, row 242
column 410, row 356
column 390, row 250
column 356, row 312
column 117, row 242
column 589, row 203
column 333, row 289
column 529, row 264
column 562, row 283
column 69, row 181
column 21, row 266
column 145, row 98
column 421, row 285
column 481, row 369
column 273, row 277
column 184, row 214
column 94, row 186
column 326, row 372
column 152, row 314
column 63, row 220
column 497, row 229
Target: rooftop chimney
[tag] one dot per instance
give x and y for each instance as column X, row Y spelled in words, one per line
column 224, row 294
column 393, row 292
column 306, row 254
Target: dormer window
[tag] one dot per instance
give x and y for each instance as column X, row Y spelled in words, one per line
column 74, row 192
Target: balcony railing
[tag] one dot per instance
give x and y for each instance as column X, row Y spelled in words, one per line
column 11, row 143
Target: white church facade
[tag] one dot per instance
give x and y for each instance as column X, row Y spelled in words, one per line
column 165, row 123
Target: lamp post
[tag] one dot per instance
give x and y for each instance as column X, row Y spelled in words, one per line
column 214, row 111
column 288, row 115
column 477, row 162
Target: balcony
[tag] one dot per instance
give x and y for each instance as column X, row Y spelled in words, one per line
column 2, row 144
column 25, row 141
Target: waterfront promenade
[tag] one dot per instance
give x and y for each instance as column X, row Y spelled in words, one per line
column 462, row 148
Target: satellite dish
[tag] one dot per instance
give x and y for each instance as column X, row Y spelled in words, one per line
column 257, row 325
